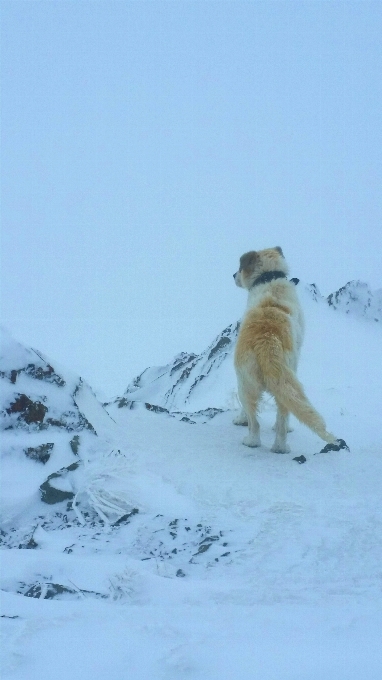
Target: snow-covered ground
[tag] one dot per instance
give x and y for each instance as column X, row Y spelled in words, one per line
column 177, row 552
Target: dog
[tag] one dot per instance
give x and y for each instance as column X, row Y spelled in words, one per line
column 268, row 348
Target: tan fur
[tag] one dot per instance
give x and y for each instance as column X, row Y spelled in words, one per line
column 267, row 350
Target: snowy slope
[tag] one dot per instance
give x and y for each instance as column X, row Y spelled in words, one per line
column 190, row 384
column 181, row 553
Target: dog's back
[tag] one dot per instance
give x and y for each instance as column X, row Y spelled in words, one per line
column 272, row 327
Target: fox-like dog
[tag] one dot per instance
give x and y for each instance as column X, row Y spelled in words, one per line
column 268, row 347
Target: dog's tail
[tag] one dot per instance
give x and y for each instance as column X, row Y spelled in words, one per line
column 283, row 384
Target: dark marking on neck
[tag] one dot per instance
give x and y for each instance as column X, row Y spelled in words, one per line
column 266, row 277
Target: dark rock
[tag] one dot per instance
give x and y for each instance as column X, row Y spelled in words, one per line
column 123, row 402
column 30, row 411
column 210, row 539
column 203, row 548
column 223, row 342
column 75, row 444
column 300, row 459
column 39, row 453
column 314, row 291
column 4, row 616
column 185, row 374
column 182, row 360
column 53, row 590
column 205, row 545
column 125, row 518
column 49, row 493
column 48, row 374
column 29, row 545
column 37, row 372
column 338, row 446
column 71, row 421
column 209, row 412
column 156, row 409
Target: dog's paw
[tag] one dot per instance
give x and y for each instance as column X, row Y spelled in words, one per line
column 277, row 448
column 250, row 440
column 336, row 446
column 240, row 420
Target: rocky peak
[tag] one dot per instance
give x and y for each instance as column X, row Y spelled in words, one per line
column 355, row 297
column 182, row 387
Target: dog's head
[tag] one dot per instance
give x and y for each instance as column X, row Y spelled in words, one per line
column 254, row 263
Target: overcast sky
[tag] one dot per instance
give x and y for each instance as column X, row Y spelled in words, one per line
column 147, row 145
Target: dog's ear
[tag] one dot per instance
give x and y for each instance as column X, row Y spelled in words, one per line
column 279, row 250
column 248, row 260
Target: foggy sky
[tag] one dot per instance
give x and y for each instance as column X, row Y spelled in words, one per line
column 147, row 145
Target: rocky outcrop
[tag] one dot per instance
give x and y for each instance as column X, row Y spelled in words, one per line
column 183, row 387
column 51, row 493
column 357, row 298
column 45, row 421
column 40, row 453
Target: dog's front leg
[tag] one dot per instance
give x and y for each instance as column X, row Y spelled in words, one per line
column 252, row 439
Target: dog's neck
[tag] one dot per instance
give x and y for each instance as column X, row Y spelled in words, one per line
column 266, row 277
column 257, row 291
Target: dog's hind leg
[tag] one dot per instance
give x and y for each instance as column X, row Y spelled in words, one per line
column 289, row 427
column 282, row 428
column 249, row 396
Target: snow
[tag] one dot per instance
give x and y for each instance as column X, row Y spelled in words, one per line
column 217, row 641
column 189, row 555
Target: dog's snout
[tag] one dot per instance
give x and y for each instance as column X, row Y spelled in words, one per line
column 234, row 275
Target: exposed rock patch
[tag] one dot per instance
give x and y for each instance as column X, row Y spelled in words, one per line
column 51, row 493
column 31, row 412
column 41, row 453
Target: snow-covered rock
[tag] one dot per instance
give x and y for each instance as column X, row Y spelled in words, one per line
column 52, row 429
column 192, row 387
column 357, row 298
